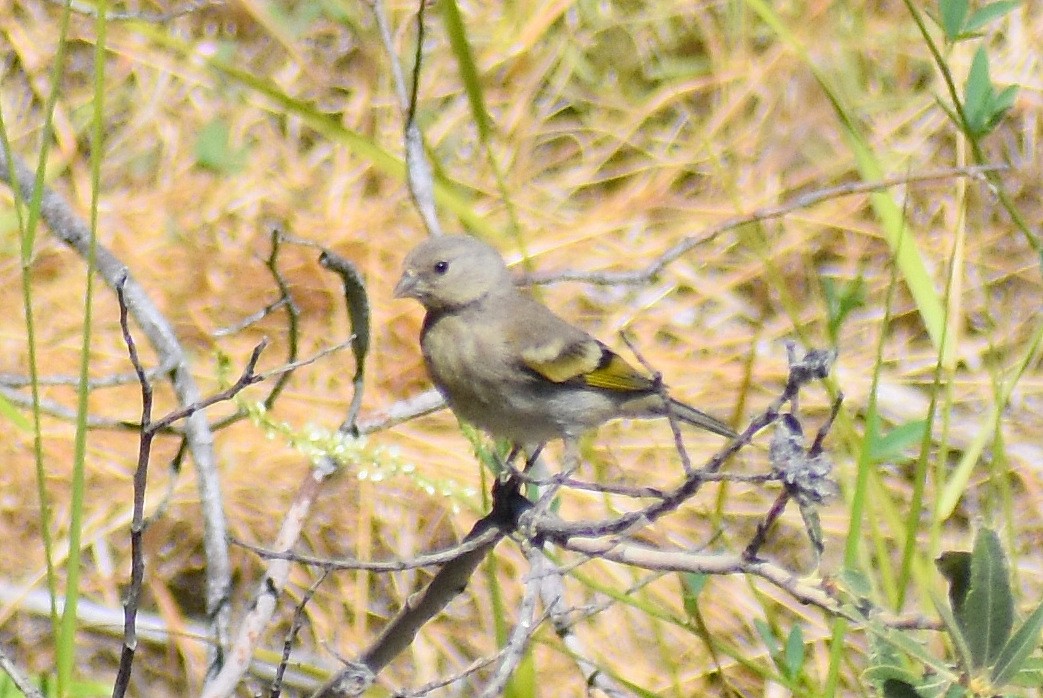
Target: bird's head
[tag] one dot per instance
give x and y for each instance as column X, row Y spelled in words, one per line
column 452, row 271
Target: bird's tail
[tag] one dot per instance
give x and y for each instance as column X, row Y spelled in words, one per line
column 698, row 418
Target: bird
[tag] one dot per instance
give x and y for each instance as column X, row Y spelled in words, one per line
column 507, row 364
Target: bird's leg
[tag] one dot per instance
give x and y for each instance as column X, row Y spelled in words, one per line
column 531, row 460
column 509, row 472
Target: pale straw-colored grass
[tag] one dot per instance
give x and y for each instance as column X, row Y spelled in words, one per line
column 620, row 129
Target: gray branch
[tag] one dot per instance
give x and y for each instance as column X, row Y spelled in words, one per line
column 70, row 229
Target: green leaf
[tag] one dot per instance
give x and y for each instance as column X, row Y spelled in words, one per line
column 768, row 636
column 691, row 585
column 214, row 150
column 523, row 680
column 953, row 15
column 880, row 674
column 14, row 415
column 1001, row 104
column 978, row 93
column 840, row 302
column 877, row 674
column 905, row 642
column 988, row 611
column 857, row 582
column 956, row 632
column 993, row 11
column 1018, row 648
column 893, row 446
column 951, row 690
column 793, row 656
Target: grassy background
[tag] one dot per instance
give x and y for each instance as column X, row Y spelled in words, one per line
column 617, row 129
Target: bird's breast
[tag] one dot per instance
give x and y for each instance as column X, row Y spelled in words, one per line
column 473, row 366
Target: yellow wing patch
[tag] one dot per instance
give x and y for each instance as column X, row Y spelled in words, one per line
column 616, row 374
column 560, row 361
column 588, row 361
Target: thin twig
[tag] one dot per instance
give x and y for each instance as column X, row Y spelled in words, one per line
column 425, row 403
column 115, row 380
column 56, row 409
column 551, row 584
column 645, row 492
column 291, row 635
column 293, row 314
column 418, row 169
column 73, row 231
column 249, row 320
column 20, row 680
column 428, row 688
column 429, row 560
column 450, row 580
column 821, row 596
column 246, row 379
column 660, row 388
column 525, row 624
column 137, row 524
column 760, row 535
column 269, row 589
column 317, row 356
column 802, row 201
column 808, row 368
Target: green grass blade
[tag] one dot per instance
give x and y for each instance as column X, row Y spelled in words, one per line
column 910, row 262
column 70, row 620
column 28, row 224
column 956, row 485
column 454, row 26
column 454, row 196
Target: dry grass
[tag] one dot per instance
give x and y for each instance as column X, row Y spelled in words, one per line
column 620, row 129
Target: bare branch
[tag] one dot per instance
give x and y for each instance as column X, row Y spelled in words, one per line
column 20, row 680
column 399, row 633
column 137, row 525
column 246, row 379
column 525, row 624
column 418, row 169
column 72, row 231
column 263, row 606
column 552, row 594
column 291, row 636
column 800, row 588
column 56, row 409
column 293, row 314
column 814, row 365
column 467, row 545
column 428, row 688
column 11, row 380
column 644, row 276
column 403, row 411
column 250, row 320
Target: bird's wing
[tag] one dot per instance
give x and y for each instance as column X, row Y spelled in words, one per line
column 562, row 353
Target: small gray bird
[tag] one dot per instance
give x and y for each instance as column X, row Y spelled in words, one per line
column 508, row 365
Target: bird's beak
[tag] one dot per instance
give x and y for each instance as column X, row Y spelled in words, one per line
column 406, row 286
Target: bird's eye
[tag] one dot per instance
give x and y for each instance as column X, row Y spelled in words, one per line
column 441, row 267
